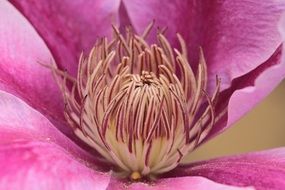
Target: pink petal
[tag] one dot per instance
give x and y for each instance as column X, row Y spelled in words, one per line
column 253, row 94
column 21, row 50
column 46, row 166
column 181, row 183
column 70, row 27
column 20, row 122
column 247, row 91
column 236, row 36
column 262, row 170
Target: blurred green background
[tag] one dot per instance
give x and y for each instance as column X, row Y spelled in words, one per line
column 262, row 128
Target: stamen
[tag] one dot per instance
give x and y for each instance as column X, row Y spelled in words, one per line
column 140, row 106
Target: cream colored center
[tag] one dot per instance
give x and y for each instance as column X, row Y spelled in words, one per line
column 138, row 105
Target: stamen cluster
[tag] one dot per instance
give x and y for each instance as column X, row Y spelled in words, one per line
column 140, row 106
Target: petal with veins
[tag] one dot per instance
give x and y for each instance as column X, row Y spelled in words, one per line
column 262, row 170
column 236, row 35
column 42, row 165
column 70, row 27
column 247, row 91
column 20, row 122
column 21, row 50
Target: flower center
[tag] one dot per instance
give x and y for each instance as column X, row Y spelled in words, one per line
column 140, row 106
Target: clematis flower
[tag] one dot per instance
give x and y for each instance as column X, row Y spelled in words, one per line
column 139, row 100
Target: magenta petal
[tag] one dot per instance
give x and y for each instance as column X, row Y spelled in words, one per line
column 29, row 165
column 262, row 170
column 249, row 90
column 20, row 122
column 236, row 36
column 181, row 183
column 21, row 50
column 251, row 95
column 70, row 27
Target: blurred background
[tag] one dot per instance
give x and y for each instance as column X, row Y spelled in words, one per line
column 262, row 128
